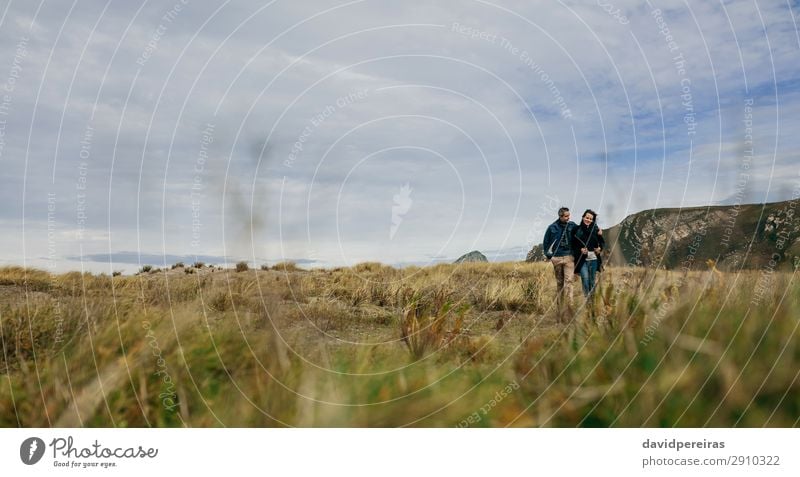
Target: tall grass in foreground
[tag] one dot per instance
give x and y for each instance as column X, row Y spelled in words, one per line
column 377, row 346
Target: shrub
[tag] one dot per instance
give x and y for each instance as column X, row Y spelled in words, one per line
column 425, row 328
column 37, row 280
column 116, row 273
column 367, row 267
column 177, row 265
column 146, row 269
column 506, row 295
column 198, row 264
column 286, row 267
column 225, row 300
column 265, row 267
column 242, row 267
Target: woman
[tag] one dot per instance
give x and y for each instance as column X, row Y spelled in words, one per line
column 587, row 243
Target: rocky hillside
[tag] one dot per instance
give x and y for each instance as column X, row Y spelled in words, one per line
column 734, row 237
column 473, row 256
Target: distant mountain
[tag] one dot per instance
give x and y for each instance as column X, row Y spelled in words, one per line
column 746, row 236
column 473, row 256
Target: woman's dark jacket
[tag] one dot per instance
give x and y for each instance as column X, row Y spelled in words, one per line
column 586, row 237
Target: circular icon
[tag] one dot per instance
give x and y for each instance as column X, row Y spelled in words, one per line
column 31, row 450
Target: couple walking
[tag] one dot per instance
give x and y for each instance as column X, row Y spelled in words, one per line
column 574, row 250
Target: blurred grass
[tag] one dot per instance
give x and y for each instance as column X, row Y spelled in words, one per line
column 373, row 345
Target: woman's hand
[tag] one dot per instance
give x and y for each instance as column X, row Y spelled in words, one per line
column 584, row 251
column 597, row 250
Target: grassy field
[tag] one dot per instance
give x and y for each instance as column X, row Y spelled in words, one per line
column 470, row 345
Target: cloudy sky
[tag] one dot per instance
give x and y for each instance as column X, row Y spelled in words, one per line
column 339, row 132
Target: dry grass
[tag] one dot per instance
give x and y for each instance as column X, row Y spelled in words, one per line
column 427, row 327
column 286, row 267
column 373, row 345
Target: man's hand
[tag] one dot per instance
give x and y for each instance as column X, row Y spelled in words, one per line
column 597, row 250
column 584, row 250
column 599, row 231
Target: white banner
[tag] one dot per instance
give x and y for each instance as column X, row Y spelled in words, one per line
column 401, row 452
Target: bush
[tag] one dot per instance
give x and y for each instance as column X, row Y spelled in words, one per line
column 365, row 267
column 177, row 265
column 426, row 327
column 116, row 273
column 286, row 267
column 36, row 280
column 188, row 271
column 265, row 267
column 198, row 264
column 242, row 267
column 146, row 269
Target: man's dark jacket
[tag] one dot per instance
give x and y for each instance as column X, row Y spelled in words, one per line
column 552, row 246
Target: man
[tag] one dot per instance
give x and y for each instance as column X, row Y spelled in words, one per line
column 557, row 249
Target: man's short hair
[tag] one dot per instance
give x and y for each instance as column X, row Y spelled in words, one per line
column 562, row 210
